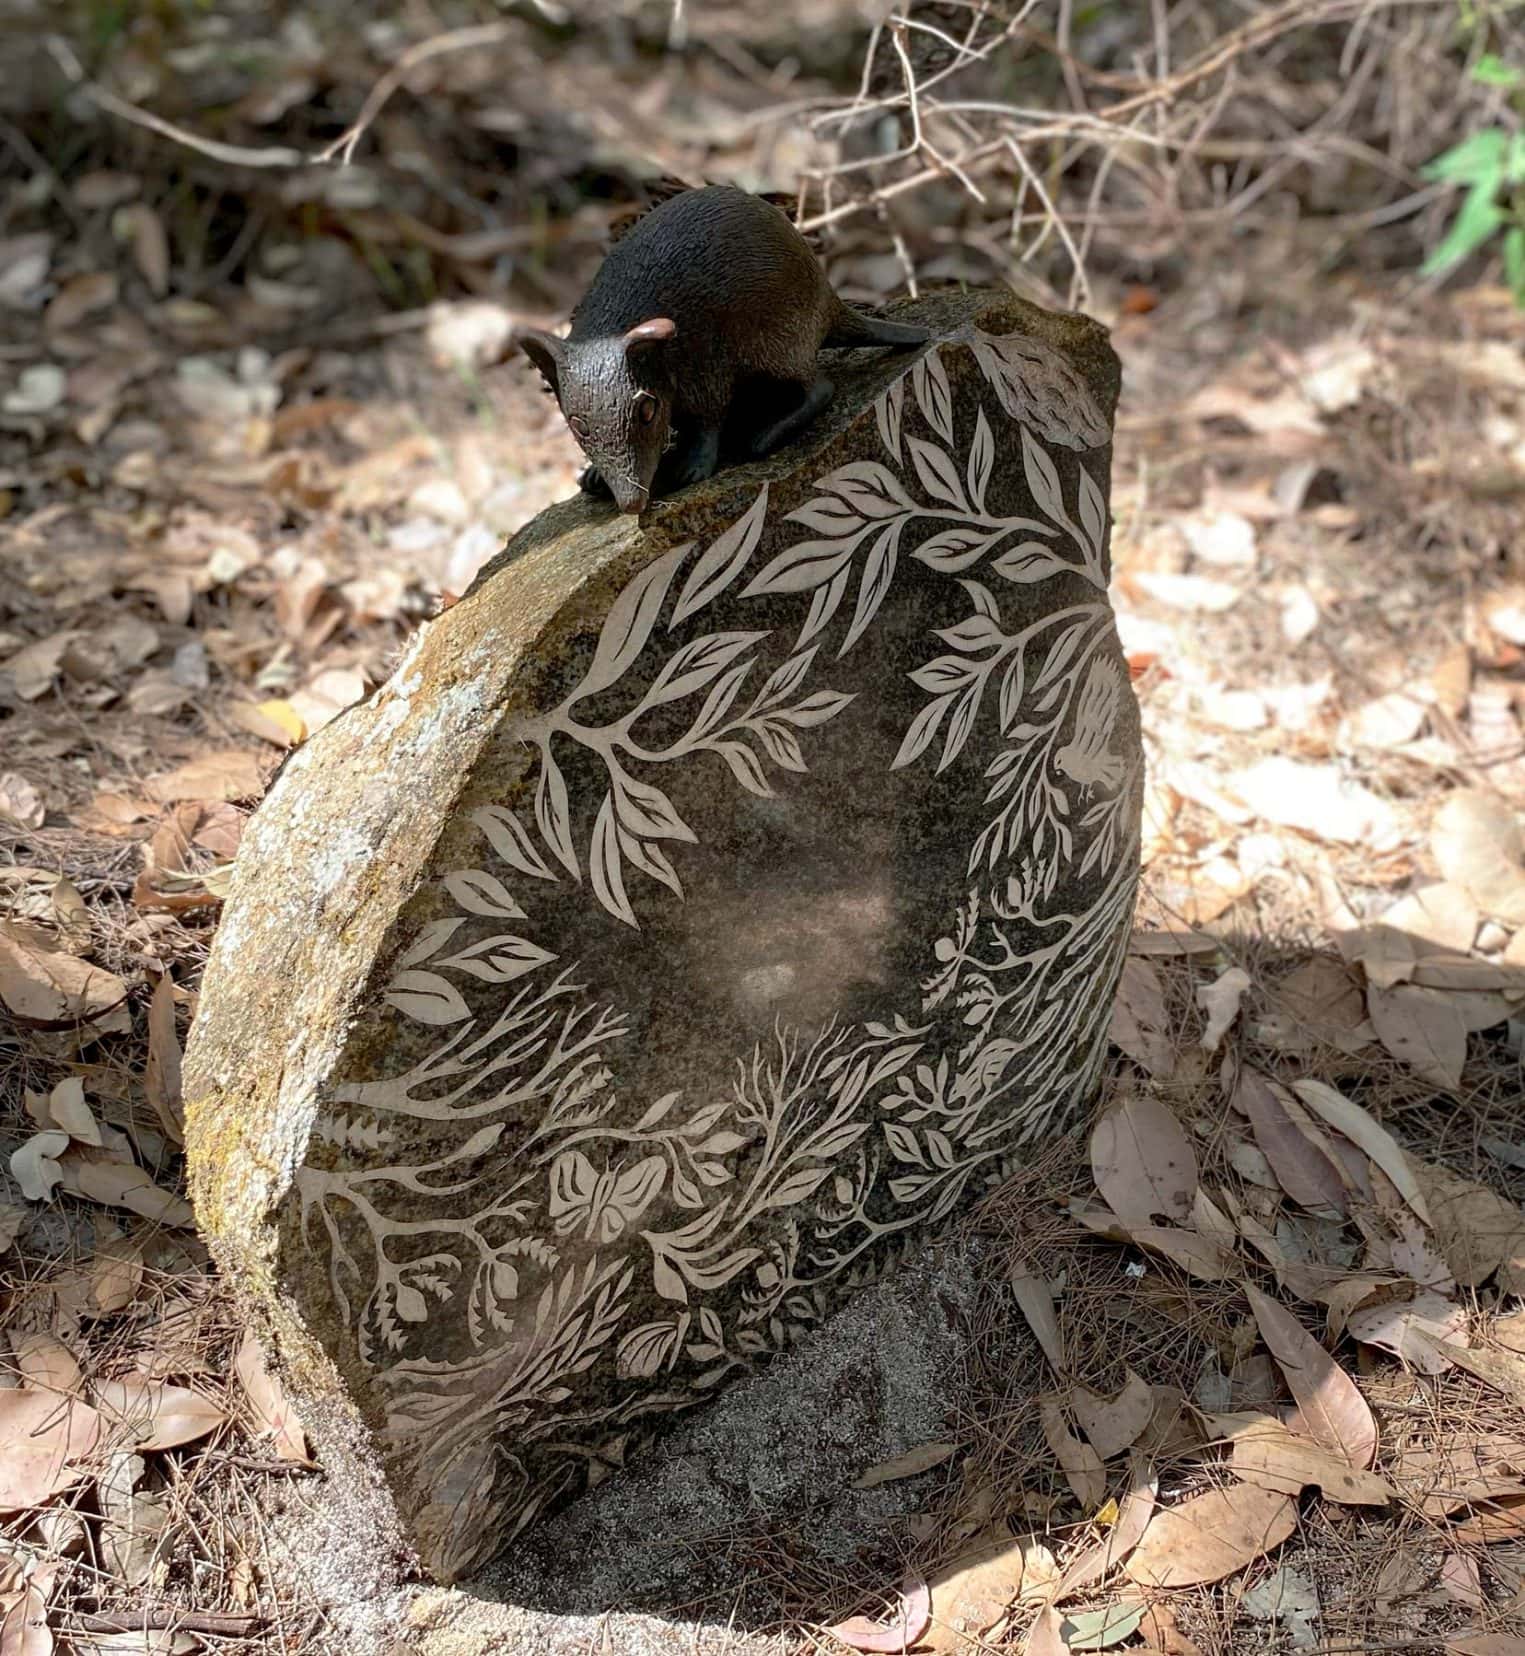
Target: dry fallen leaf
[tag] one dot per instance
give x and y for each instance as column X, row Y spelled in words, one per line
column 161, row 1075
column 1220, row 1001
column 1336, row 1414
column 47, row 1364
column 1302, row 1166
column 907, row 1627
column 1139, row 1019
column 1410, row 1327
column 147, row 1414
column 1503, row 1370
column 1475, row 1228
column 1099, row 1560
column 24, row 1631
column 1143, row 1162
column 1199, row 1255
column 20, row 802
column 1320, row 1001
column 973, row 1592
column 1036, row 1299
column 43, row 1438
column 1485, row 1644
column 1045, row 1637
column 1500, row 1518
column 34, row 1165
column 44, row 986
column 122, row 1184
column 914, row 1461
column 1082, row 1466
column 1266, row 1453
column 1423, row 1029
column 1210, row 1536
column 1367, row 1135
column 1113, row 1424
column 1478, row 845
column 231, row 775
column 268, row 1403
column 1316, row 800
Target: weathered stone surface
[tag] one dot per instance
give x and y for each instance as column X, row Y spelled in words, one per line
column 702, row 912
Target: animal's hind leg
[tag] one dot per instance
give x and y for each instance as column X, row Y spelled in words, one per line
column 769, row 437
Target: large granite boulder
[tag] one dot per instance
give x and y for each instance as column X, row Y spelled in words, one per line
column 704, row 910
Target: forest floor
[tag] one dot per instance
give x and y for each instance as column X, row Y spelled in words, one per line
column 217, row 528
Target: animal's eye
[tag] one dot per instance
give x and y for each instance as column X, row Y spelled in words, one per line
column 579, row 425
column 646, row 410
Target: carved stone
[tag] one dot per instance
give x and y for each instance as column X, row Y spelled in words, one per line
column 704, row 910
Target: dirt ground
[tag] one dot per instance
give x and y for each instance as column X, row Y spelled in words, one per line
column 225, row 504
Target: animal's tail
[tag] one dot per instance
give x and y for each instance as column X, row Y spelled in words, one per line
column 854, row 328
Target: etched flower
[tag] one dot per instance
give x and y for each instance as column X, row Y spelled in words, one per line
column 604, row 1203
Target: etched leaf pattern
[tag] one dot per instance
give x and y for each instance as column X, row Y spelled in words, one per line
column 816, row 1128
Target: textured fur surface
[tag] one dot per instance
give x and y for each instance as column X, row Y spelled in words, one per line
column 747, row 302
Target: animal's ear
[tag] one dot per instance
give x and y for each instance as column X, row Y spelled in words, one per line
column 547, row 353
column 645, row 336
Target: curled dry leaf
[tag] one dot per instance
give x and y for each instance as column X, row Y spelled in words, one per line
column 1302, row 1165
column 35, row 1167
column 1365, row 1133
column 1210, row 1536
column 1114, row 1424
column 1101, row 1629
column 116, row 1275
column 268, row 1404
column 1266, row 1453
column 41, row 985
column 147, row 1414
column 909, row 1465
column 1220, row 1001
column 1410, row 1328
column 909, row 1623
column 68, row 1110
column 1081, row 1464
column 1143, row 1162
column 44, row 1438
column 1036, row 1299
column 1336, row 1414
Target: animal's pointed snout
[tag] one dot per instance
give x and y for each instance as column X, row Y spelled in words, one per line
column 630, row 497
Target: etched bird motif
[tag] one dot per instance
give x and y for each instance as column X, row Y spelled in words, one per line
column 1086, row 758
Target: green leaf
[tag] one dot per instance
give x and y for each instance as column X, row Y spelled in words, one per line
column 1100, row 1629
column 1473, row 160
column 1514, row 263
column 1479, row 217
column 1491, row 70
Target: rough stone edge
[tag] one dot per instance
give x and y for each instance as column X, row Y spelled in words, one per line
column 231, row 1114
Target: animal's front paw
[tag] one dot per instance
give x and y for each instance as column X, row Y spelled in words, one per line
column 591, row 482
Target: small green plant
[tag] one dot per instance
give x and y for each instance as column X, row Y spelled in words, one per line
column 1491, row 164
